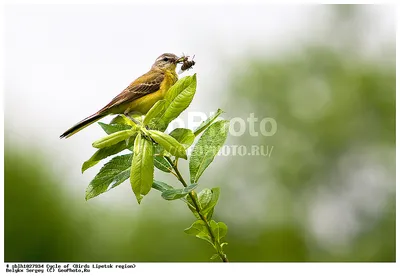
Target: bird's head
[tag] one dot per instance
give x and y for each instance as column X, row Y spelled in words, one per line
column 167, row 61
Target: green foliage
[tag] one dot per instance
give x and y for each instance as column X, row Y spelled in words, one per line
column 175, row 194
column 141, row 175
column 183, row 136
column 204, row 125
column 169, row 143
column 199, row 229
column 212, row 232
column 105, row 152
column 214, row 257
column 122, row 120
column 151, row 147
column 111, row 175
column 205, row 228
column 207, row 148
column 162, row 164
column 154, row 111
column 220, row 229
column 177, row 99
column 116, row 127
column 164, row 187
column 113, row 138
column 208, row 200
column 161, row 186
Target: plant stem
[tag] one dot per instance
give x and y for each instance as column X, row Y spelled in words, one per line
column 198, row 210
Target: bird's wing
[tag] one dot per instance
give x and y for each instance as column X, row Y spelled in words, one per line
column 144, row 85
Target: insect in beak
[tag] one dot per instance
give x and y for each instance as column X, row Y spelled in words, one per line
column 186, row 63
column 181, row 59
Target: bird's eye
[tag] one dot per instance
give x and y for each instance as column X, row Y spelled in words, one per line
column 165, row 59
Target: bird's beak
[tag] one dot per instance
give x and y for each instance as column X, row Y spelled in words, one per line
column 180, row 59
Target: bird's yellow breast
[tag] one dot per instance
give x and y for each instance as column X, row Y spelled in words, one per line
column 144, row 104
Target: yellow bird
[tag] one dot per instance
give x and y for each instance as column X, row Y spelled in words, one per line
column 140, row 95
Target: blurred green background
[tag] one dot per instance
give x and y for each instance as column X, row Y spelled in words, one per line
column 326, row 193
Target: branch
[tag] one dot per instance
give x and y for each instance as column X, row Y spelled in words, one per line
column 198, row 210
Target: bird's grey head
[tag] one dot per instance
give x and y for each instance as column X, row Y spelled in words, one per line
column 166, row 61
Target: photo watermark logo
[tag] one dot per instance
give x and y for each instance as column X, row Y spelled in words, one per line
column 251, row 125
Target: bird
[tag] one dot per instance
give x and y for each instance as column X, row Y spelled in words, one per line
column 140, row 95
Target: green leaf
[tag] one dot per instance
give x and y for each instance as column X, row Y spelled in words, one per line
column 199, row 229
column 114, row 138
column 205, row 237
column 219, row 229
column 183, row 136
column 106, row 152
column 142, row 169
column 175, row 194
column 208, row 199
column 161, row 186
column 110, row 175
column 214, row 257
column 113, row 128
column 177, row 98
column 204, row 125
column 162, row 164
column 223, row 230
column 121, row 119
column 185, row 85
column 169, row 143
column 207, row 148
column 205, row 196
column 155, row 110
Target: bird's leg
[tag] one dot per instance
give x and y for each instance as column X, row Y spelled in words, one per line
column 128, row 114
column 145, row 134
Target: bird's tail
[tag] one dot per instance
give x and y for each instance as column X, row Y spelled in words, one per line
column 81, row 125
